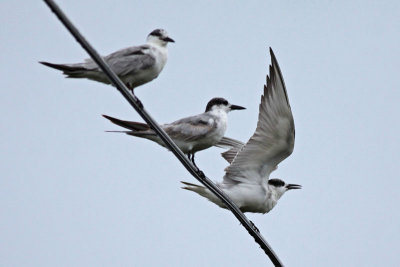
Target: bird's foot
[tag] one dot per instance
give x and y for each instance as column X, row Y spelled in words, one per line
column 254, row 227
column 138, row 102
column 201, row 173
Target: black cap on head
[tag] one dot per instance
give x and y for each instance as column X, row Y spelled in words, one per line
column 276, row 182
column 157, row 32
column 216, row 101
column 162, row 35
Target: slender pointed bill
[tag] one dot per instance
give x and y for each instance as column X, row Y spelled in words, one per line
column 135, row 65
column 236, row 107
column 135, row 102
column 293, row 186
column 167, row 39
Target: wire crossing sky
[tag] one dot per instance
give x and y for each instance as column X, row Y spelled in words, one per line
column 137, row 105
column 72, row 194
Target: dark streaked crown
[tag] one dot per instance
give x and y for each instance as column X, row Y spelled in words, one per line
column 216, row 101
column 276, row 182
column 158, row 32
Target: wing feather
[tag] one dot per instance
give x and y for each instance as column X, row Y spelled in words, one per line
column 233, row 145
column 273, row 140
column 125, row 61
column 191, row 128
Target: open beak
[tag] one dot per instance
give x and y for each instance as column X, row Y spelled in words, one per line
column 293, row 186
column 167, row 39
column 236, row 107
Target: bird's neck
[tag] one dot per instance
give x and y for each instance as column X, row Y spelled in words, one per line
column 220, row 115
column 271, row 199
column 275, row 195
column 158, row 44
column 160, row 50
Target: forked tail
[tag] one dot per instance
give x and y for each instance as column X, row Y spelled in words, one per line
column 72, row 70
column 204, row 192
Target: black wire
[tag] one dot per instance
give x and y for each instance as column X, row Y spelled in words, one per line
column 137, row 105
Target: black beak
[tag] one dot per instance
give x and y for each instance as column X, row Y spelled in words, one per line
column 167, row 39
column 293, row 186
column 236, row 107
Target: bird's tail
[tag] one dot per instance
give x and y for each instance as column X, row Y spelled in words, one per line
column 204, row 192
column 117, row 132
column 201, row 190
column 63, row 67
column 135, row 128
column 131, row 125
column 71, row 70
column 151, row 136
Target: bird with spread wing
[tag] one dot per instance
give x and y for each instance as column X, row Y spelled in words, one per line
column 246, row 179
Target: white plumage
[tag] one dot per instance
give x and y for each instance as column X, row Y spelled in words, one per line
column 246, row 179
column 190, row 134
column 134, row 65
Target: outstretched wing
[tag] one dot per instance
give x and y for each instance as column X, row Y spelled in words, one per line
column 273, row 140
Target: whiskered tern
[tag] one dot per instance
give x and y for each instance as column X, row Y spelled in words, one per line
column 191, row 134
column 134, row 65
column 246, row 179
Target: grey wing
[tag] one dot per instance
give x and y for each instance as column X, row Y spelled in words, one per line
column 191, row 128
column 273, row 140
column 127, row 61
column 233, row 145
column 227, row 142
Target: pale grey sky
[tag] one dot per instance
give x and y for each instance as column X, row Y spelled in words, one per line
column 73, row 195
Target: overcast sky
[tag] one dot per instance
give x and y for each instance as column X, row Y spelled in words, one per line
column 73, row 195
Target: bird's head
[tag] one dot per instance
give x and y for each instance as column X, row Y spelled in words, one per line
column 159, row 37
column 280, row 187
column 219, row 103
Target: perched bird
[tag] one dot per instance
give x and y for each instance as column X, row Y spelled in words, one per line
column 134, row 65
column 190, row 134
column 246, row 179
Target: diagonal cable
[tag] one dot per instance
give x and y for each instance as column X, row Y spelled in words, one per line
column 137, row 105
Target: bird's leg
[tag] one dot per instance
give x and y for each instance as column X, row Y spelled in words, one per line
column 194, row 163
column 192, row 160
column 140, row 104
column 199, row 172
column 129, row 87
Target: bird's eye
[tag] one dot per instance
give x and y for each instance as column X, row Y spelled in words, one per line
column 225, row 102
